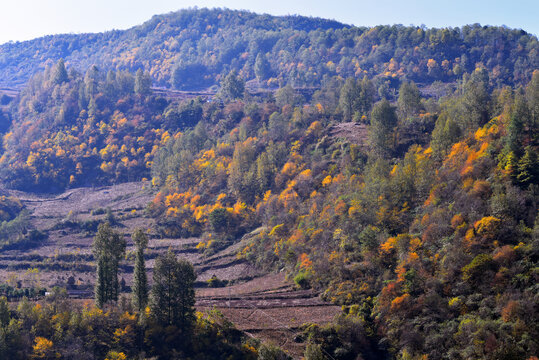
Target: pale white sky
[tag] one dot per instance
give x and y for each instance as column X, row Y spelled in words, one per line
column 27, row 19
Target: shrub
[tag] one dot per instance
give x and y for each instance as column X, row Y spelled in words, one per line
column 303, row 280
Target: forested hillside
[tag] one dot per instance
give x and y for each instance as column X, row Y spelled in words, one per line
column 424, row 223
column 403, row 187
column 195, row 48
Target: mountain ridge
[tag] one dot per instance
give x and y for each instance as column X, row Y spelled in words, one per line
column 299, row 50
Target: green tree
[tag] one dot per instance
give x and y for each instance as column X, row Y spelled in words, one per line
column 356, row 98
column 4, row 312
column 59, row 74
column 264, row 171
column 366, row 96
column 287, row 95
column 109, row 247
column 91, row 80
column 476, row 100
column 348, row 99
column 271, row 352
column 262, row 67
column 515, row 129
column 532, row 95
column 143, row 83
column 528, row 168
column 383, row 122
column 232, row 86
column 409, row 102
column 314, row 352
column 446, row 132
column 242, row 171
column 219, row 220
column 140, row 280
column 173, row 294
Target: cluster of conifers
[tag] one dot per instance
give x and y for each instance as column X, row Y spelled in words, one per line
column 172, row 296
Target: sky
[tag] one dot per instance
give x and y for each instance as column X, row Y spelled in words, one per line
column 27, row 19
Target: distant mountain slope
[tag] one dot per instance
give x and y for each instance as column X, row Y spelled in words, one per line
column 193, row 48
column 157, row 40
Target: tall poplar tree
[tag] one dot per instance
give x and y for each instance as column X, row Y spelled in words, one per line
column 140, row 281
column 109, row 247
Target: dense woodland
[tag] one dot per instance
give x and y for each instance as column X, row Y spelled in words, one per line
column 420, row 218
column 196, row 48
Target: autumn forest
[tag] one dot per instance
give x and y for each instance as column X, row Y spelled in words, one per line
column 389, row 173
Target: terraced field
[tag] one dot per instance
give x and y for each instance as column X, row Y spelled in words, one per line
column 267, row 306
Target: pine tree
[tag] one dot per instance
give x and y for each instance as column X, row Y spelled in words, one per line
column 109, row 247
column 173, row 294
column 383, row 122
column 528, row 168
column 140, row 281
column 59, row 75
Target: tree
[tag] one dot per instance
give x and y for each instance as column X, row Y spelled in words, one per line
column 348, row 98
column 59, row 74
column 409, row 102
column 528, row 168
column 476, row 99
column 91, row 80
column 4, row 312
column 242, row 171
column 356, row 98
column 109, row 247
column 314, row 352
column 366, row 96
column 143, row 83
column 515, row 130
column 288, row 96
column 446, row 132
column 271, row 352
column 173, row 294
column 532, row 95
column 264, row 171
column 140, row 281
column 219, row 220
column 232, row 86
column 262, row 67
column 190, row 76
column 383, row 121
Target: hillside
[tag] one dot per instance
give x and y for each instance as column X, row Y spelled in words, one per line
column 195, row 48
column 387, row 178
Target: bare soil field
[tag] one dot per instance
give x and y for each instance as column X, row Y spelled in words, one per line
column 266, row 306
column 355, row 133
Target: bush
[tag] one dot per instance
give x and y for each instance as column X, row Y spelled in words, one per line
column 477, row 267
column 215, row 282
column 303, row 280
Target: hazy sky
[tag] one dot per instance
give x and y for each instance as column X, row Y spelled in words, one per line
column 27, row 19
